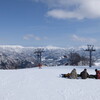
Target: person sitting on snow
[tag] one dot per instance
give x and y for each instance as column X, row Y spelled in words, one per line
column 73, row 74
column 96, row 73
column 97, row 76
column 84, row 74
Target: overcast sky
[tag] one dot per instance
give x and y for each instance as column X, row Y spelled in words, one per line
column 61, row 23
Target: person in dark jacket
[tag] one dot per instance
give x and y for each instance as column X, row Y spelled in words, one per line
column 84, row 74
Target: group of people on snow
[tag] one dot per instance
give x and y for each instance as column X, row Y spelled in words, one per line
column 84, row 74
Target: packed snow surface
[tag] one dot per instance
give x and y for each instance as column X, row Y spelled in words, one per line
column 45, row 84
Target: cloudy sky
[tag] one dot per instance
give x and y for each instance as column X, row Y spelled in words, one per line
column 61, row 23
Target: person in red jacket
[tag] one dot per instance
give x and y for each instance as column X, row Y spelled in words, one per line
column 97, row 76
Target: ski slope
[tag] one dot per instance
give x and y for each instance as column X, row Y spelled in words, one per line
column 45, row 84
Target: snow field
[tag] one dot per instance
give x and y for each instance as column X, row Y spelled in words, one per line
column 45, row 84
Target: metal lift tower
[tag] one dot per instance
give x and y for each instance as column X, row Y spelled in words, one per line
column 90, row 48
column 38, row 53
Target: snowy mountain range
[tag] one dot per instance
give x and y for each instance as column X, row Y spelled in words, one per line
column 15, row 56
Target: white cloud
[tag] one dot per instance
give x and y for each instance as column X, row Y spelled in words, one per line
column 62, row 14
column 83, row 39
column 37, row 38
column 28, row 36
column 32, row 36
column 78, row 9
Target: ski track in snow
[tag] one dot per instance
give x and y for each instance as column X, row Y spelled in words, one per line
column 45, row 84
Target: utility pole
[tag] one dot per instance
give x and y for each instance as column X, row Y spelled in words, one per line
column 90, row 48
column 38, row 53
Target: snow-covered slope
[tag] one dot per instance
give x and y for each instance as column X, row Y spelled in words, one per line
column 16, row 56
column 45, row 84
